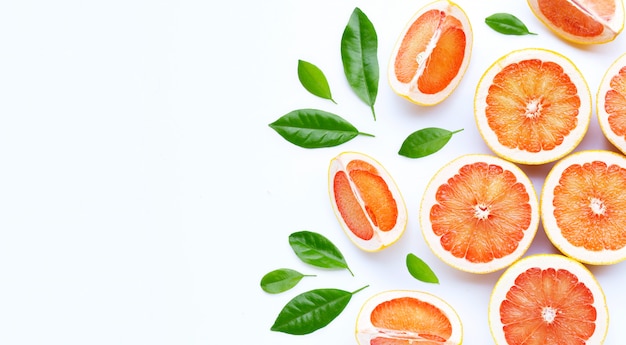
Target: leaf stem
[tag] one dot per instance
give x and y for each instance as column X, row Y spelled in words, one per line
column 367, row 134
column 457, row 131
column 373, row 112
column 354, row 292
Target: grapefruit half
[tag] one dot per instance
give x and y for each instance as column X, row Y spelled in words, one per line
column 611, row 104
column 583, row 208
column 431, row 54
column 404, row 317
column 547, row 299
column 532, row 106
column 366, row 201
column 479, row 213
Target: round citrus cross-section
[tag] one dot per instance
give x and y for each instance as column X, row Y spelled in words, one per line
column 532, row 106
column 547, row 299
column 479, row 213
column 366, row 201
column 611, row 104
column 404, row 317
column 583, row 208
column 431, row 54
column 581, row 21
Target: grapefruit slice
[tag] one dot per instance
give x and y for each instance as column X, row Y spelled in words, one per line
column 583, row 207
column 404, row 317
column 431, row 54
column 479, row 213
column 581, row 21
column 548, row 299
column 366, row 201
column 611, row 104
column 532, row 106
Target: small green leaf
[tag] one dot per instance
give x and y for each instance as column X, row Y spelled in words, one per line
column 317, row 250
column 420, row 270
column 507, row 24
column 281, row 280
column 312, row 310
column 359, row 54
column 425, row 141
column 314, row 80
column 312, row 128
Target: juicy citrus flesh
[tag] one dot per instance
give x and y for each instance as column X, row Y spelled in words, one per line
column 575, row 18
column 380, row 205
column 548, row 306
column 405, row 319
column 590, row 209
column 615, row 103
column 532, row 105
column 481, row 213
column 432, row 50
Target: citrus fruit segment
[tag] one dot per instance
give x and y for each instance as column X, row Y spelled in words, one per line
column 431, row 54
column 547, row 299
column 581, row 21
column 404, row 317
column 611, row 104
column 583, row 208
column 532, row 106
column 366, row 201
column 479, row 213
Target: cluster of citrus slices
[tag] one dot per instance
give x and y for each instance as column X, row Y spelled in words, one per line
column 480, row 212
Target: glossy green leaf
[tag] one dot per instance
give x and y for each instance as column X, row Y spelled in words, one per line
column 507, row 24
column 281, row 280
column 425, row 141
column 312, row 128
column 317, row 250
column 314, row 80
column 359, row 54
column 420, row 270
column 312, row 310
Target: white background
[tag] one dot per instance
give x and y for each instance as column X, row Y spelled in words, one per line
column 143, row 195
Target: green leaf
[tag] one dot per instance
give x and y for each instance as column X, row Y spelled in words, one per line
column 314, row 80
column 507, row 24
column 425, row 141
column 420, row 270
column 317, row 250
column 312, row 310
column 281, row 280
column 359, row 49
column 312, row 128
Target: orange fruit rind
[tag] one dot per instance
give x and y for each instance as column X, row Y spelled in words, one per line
column 581, row 22
column 408, row 316
column 583, row 209
column 532, row 106
column 366, row 200
column 549, row 298
column 479, row 213
column 431, row 54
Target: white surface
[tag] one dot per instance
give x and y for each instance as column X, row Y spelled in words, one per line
column 143, row 196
